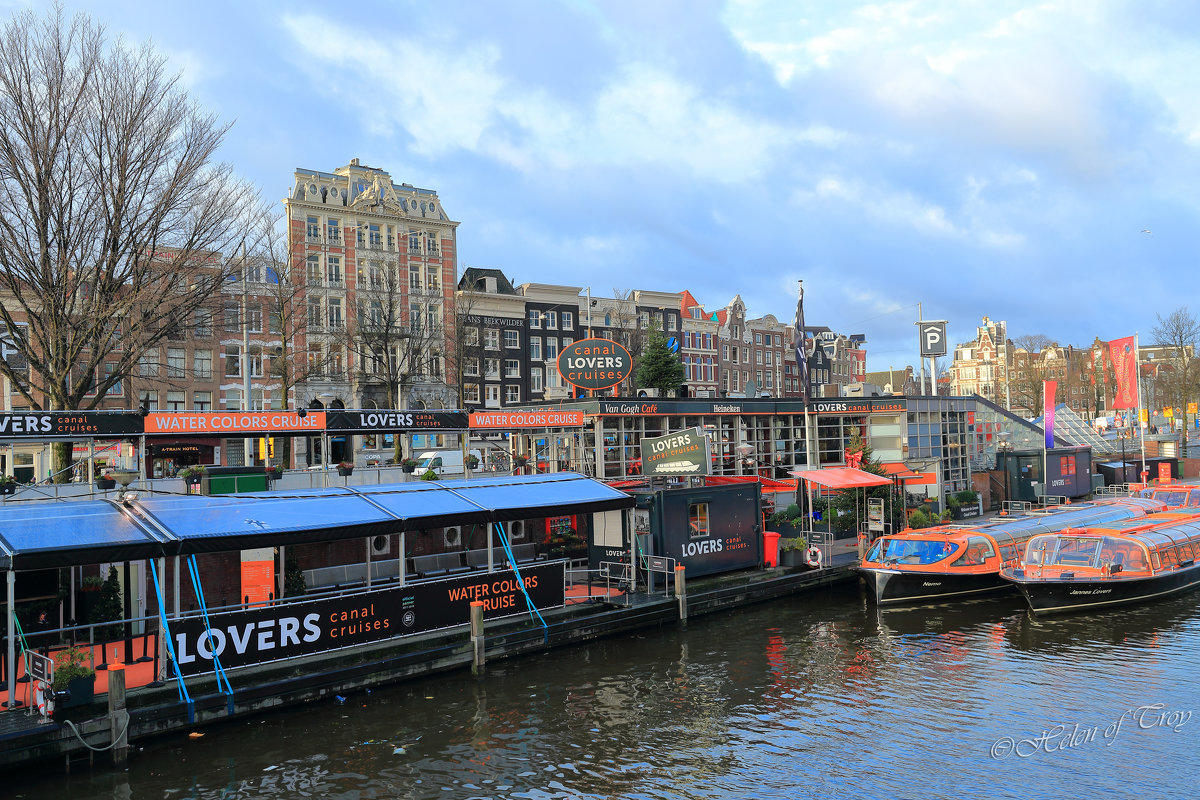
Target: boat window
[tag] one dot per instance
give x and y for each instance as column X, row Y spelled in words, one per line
column 915, row 551
column 1170, row 557
column 1076, row 551
column 1129, row 555
column 978, row 551
column 1171, row 498
column 1194, row 498
column 873, row 555
column 1039, row 549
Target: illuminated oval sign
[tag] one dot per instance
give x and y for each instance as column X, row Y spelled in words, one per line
column 594, row 364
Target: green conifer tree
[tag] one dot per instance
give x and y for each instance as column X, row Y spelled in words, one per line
column 660, row 368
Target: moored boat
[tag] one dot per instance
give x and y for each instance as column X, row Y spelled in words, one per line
column 952, row 561
column 1107, row 565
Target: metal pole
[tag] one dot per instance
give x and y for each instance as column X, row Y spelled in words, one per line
column 920, row 358
column 247, row 405
column 12, row 639
column 1137, row 377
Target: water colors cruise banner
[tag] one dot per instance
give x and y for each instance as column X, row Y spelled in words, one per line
column 274, row 633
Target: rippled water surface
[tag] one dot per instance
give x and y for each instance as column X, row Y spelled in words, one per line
column 817, row 695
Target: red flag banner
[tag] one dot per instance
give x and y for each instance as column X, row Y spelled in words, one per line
column 1124, row 361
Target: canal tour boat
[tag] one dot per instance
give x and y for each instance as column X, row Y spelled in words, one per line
column 1107, row 565
column 1174, row 495
column 951, row 561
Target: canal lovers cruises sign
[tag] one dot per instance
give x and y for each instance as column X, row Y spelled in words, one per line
column 682, row 453
column 594, row 364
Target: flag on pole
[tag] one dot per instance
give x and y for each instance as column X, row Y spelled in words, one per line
column 1050, row 390
column 1123, row 355
column 801, row 349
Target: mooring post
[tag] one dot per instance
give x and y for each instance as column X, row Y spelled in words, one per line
column 681, row 594
column 118, row 717
column 477, row 642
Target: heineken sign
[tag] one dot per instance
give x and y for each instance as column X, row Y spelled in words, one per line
column 594, row 364
column 681, row 453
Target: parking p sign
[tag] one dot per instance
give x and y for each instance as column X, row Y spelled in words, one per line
column 933, row 338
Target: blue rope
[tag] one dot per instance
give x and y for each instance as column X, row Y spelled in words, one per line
column 521, row 581
column 162, row 615
column 195, row 572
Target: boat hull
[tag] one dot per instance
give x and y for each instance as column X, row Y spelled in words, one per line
column 898, row 587
column 1061, row 597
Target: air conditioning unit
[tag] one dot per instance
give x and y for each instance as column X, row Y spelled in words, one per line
column 453, row 536
column 381, row 545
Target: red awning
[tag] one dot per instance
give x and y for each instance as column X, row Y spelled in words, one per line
column 908, row 476
column 841, row 478
column 768, row 484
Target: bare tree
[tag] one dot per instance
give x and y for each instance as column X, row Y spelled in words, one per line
column 630, row 333
column 396, row 337
column 1179, row 377
column 1029, row 370
column 113, row 213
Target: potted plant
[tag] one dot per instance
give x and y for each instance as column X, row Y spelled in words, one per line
column 429, row 475
column 8, row 484
column 791, row 551
column 409, row 465
column 192, row 475
column 106, row 481
column 787, row 522
column 74, row 677
column 272, row 472
column 472, row 461
column 345, row 468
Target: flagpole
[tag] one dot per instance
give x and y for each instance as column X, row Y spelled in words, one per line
column 802, row 368
column 1137, row 377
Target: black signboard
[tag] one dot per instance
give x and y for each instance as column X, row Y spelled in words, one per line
column 409, row 420
column 68, row 425
column 273, row 633
column 649, row 407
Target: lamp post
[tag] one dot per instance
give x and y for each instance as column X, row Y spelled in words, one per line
column 248, row 442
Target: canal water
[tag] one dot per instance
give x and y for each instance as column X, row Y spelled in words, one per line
column 817, row 695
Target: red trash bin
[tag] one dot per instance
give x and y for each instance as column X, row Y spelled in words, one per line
column 771, row 548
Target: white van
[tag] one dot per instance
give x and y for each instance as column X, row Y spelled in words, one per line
column 446, row 463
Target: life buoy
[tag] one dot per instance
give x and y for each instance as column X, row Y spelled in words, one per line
column 812, row 557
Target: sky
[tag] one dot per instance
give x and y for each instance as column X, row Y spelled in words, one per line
column 1033, row 162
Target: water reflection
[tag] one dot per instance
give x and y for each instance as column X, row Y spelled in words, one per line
column 820, row 695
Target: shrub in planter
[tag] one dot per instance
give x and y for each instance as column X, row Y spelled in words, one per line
column 791, row 551
column 429, row 475
column 409, row 465
column 472, row 461
column 8, row 484
column 345, row 468
column 192, row 475
column 73, row 673
column 106, row 481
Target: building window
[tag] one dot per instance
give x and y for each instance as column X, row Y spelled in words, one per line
column 176, row 362
column 471, row 393
column 535, row 348
column 512, row 368
column 491, row 339
column 203, row 321
column 512, row 339
column 254, row 319
column 202, row 401
column 335, row 313
column 512, row 394
column 176, row 401
column 148, row 401
column 698, row 520
column 233, row 361
column 314, row 270
column 471, row 367
column 333, row 270
column 335, row 230
column 492, row 395
column 148, row 364
column 535, row 379
column 568, row 320
column 491, row 368
column 202, row 364
column 535, row 318
column 233, row 318
column 312, row 229
column 471, row 337
column 551, row 348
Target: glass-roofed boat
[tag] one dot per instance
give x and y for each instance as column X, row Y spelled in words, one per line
column 1105, row 565
column 951, row 561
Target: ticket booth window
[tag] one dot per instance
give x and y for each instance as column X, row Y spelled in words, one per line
column 698, row 520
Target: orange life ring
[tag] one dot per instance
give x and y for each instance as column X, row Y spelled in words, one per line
column 812, row 557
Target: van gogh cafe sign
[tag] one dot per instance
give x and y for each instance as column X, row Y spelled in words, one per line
column 594, row 364
column 681, row 453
